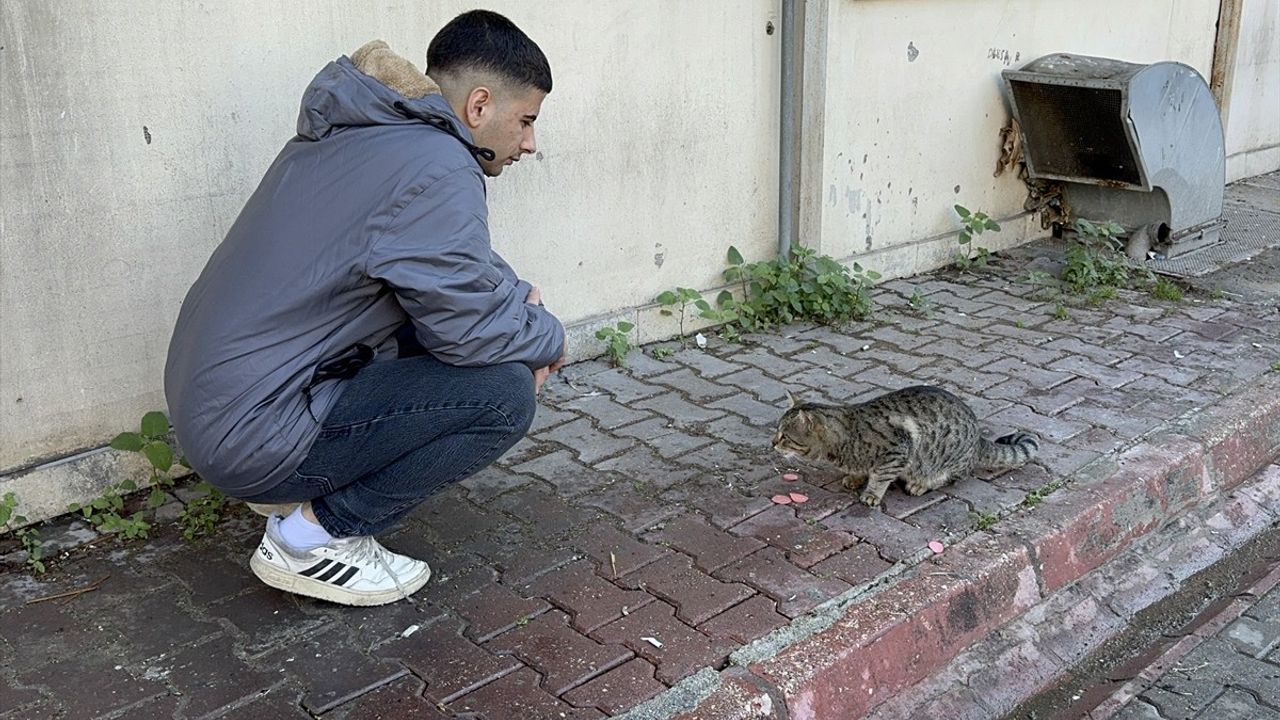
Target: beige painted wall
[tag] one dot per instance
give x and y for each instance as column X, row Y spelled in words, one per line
column 658, row 152
column 646, row 154
column 906, row 139
column 1253, row 117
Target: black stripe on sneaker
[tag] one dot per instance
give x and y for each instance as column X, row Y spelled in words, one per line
column 337, row 568
column 316, row 568
column 351, row 571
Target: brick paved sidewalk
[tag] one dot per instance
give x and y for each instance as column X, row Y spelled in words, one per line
column 629, row 543
column 1232, row 675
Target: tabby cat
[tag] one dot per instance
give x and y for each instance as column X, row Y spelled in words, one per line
column 922, row 435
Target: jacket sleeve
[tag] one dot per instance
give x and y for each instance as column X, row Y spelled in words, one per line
column 436, row 257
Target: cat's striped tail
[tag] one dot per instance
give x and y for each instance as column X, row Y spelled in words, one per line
column 1007, row 452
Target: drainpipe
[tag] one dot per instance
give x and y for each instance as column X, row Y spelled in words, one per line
column 787, row 170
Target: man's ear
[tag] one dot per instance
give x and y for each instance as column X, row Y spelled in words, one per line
column 479, row 106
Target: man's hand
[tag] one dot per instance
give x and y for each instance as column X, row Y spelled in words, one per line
column 535, row 296
column 540, row 376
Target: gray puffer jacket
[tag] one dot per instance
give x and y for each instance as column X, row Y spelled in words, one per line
column 374, row 214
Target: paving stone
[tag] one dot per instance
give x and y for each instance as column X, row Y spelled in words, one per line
column 328, row 667
column 612, row 549
column 897, row 503
column 885, row 379
column 704, row 364
column 1238, row 705
column 693, row 386
column 904, row 362
column 950, row 299
column 722, row 505
column 281, row 704
column 855, row 565
column 1019, row 418
column 518, row 695
column 642, row 465
column 493, row 609
column 740, row 466
column 450, row 664
column 710, row 547
column 550, row 516
column 695, row 595
column 1107, row 376
column 842, row 363
column 606, row 413
column 679, row 410
column 267, row 617
column 745, row 622
column 1012, row 302
column 795, row 589
column 1191, row 685
column 619, row 689
column 489, row 483
column 548, row 417
column 751, row 410
column 898, row 338
column 98, row 688
column 734, row 431
column 805, row 543
column 1125, row 424
column 155, row 624
column 568, row 477
column 210, row 676
column 1144, row 330
column 590, row 600
column 590, row 445
column 1024, row 334
column 1254, row 637
column 632, row 503
column 623, row 386
column 771, row 364
column 642, row 365
column 563, row 657
column 518, row 563
column 447, row 519
column 1170, row 372
column 956, row 377
column 399, row 699
column 782, row 340
column 1216, row 331
column 757, row 383
column 893, row 538
column 649, row 430
column 1099, row 354
column 837, row 388
column 948, row 518
column 952, row 337
column 209, row 577
column 983, row 496
column 682, row 651
column 1031, row 373
column 15, row 698
column 1058, row 459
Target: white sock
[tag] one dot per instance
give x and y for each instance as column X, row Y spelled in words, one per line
column 302, row 534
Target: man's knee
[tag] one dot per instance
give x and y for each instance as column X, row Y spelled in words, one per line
column 514, row 383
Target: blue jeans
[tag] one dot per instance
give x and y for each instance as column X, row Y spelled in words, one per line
column 402, row 430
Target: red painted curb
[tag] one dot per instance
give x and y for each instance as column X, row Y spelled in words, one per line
column 899, row 636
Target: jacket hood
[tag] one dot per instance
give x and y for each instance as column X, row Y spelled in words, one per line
column 374, row 86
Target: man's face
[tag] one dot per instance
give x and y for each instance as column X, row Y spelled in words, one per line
column 506, row 127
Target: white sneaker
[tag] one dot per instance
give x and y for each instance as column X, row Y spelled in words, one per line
column 347, row 571
column 269, row 509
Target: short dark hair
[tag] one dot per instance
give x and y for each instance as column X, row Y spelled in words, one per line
column 485, row 40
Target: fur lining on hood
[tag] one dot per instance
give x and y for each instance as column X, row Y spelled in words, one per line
column 377, row 60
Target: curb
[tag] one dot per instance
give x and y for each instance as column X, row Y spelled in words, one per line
column 900, row 635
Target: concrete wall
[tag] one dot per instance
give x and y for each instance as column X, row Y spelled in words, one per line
column 131, row 134
column 1253, row 112
column 914, row 109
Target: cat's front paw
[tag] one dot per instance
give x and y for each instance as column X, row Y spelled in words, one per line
column 869, row 499
column 853, row 482
column 915, row 488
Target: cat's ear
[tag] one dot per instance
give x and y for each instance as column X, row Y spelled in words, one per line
column 805, row 419
column 791, row 398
